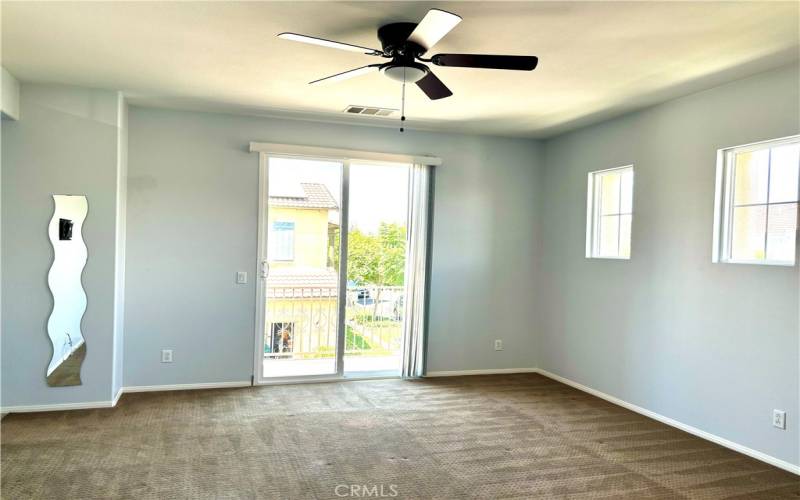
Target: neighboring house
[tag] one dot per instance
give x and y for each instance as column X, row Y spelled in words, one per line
column 302, row 227
column 302, row 282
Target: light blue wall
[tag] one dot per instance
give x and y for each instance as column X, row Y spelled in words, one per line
column 192, row 223
column 64, row 143
column 714, row 346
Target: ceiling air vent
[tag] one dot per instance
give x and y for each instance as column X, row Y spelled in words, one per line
column 369, row 110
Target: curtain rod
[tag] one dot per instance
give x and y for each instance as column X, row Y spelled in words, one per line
column 340, row 154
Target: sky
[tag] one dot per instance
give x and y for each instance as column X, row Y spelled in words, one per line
column 378, row 193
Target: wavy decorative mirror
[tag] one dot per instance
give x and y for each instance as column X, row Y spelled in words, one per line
column 69, row 298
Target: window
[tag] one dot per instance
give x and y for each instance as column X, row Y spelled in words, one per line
column 280, row 342
column 609, row 213
column 756, row 203
column 281, row 241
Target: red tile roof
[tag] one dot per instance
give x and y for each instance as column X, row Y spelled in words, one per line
column 302, row 283
column 316, row 196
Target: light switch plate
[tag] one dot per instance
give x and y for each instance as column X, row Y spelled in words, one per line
column 779, row 419
column 241, row 277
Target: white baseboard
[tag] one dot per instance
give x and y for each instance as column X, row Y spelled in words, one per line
column 490, row 371
column 57, row 407
column 678, row 425
column 185, row 387
column 110, row 404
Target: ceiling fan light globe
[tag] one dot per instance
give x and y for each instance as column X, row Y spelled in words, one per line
column 409, row 74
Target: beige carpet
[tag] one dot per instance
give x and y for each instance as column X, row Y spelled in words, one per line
column 504, row 436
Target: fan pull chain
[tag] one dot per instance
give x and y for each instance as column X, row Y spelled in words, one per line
column 403, row 102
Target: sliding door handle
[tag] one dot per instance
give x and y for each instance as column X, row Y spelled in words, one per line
column 264, row 268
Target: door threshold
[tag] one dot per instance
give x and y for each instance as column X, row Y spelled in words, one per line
column 348, row 377
column 371, row 375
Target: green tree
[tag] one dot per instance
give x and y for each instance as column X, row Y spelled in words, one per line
column 377, row 259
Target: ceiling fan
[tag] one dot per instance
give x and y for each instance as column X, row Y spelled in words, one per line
column 406, row 43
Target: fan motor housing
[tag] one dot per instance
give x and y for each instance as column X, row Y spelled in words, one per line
column 394, row 40
column 403, row 67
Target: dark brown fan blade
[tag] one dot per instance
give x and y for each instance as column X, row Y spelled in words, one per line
column 521, row 63
column 433, row 87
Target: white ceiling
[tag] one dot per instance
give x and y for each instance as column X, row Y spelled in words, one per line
column 597, row 59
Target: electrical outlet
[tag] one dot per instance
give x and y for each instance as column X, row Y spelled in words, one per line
column 166, row 355
column 498, row 345
column 779, row 419
column 241, row 277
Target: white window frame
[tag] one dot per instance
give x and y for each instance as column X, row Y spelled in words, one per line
column 593, row 214
column 275, row 243
column 723, row 203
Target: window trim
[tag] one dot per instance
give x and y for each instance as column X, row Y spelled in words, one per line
column 723, row 203
column 593, row 208
column 274, row 238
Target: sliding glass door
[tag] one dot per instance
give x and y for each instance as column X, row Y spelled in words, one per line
column 331, row 302
column 301, row 269
column 376, row 262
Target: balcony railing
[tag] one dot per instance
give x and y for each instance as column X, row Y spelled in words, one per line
column 302, row 321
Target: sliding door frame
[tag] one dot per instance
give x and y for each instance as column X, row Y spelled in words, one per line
column 344, row 217
column 261, row 282
column 263, row 271
column 345, row 157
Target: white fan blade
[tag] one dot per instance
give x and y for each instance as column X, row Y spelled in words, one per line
column 433, row 27
column 347, row 74
column 328, row 43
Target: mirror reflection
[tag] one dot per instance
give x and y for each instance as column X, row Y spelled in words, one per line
column 69, row 298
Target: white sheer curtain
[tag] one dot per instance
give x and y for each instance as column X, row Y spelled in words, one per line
column 416, row 269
